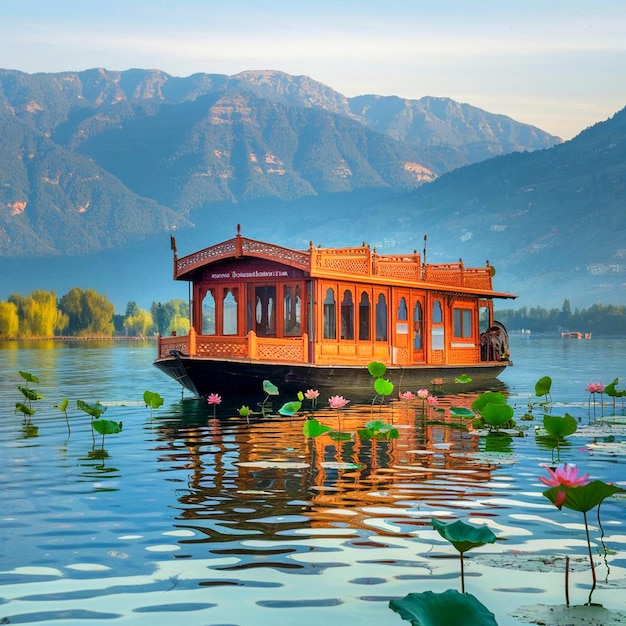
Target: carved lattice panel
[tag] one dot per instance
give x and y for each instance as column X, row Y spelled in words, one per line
column 283, row 352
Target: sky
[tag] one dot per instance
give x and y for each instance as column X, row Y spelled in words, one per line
column 559, row 65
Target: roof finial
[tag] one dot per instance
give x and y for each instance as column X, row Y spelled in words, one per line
column 238, row 229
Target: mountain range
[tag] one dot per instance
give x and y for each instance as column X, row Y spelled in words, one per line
column 98, row 168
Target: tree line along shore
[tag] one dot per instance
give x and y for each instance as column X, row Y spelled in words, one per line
column 86, row 314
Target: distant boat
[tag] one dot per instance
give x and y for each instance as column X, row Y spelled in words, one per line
column 575, row 335
column 315, row 318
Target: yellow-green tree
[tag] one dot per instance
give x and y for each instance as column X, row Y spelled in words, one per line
column 140, row 324
column 38, row 314
column 9, row 321
column 89, row 313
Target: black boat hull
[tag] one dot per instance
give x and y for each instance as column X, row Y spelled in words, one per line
column 203, row 376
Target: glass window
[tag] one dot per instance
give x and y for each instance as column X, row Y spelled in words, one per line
column 462, row 323
column 417, row 326
column 347, row 315
column 330, row 319
column 208, row 314
column 229, row 311
column 265, row 310
column 381, row 318
column 364, row 317
column 402, row 312
column 437, row 313
column 292, row 311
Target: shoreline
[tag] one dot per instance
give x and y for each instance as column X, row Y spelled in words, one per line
column 86, row 338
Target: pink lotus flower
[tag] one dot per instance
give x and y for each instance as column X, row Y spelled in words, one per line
column 311, row 394
column 433, row 400
column 422, row 393
column 594, row 388
column 407, row 395
column 565, row 476
column 337, row 402
column 214, row 398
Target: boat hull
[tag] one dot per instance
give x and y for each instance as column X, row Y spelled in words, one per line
column 203, row 376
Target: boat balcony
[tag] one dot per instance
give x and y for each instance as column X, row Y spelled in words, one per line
column 287, row 350
column 457, row 275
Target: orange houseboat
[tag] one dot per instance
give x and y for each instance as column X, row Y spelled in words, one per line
column 314, row 319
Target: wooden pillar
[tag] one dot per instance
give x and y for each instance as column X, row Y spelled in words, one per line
column 192, row 341
column 253, row 345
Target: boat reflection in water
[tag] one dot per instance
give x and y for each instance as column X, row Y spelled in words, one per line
column 267, row 478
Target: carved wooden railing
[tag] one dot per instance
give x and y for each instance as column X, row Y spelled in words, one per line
column 457, row 275
column 291, row 350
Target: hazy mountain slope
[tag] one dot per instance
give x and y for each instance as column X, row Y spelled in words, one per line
column 56, row 202
column 448, row 134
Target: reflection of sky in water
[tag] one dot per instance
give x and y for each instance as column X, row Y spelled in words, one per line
column 203, row 522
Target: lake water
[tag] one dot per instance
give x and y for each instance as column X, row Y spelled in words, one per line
column 186, row 519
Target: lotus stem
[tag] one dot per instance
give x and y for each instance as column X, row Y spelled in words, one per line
column 606, row 561
column 567, row 580
column 593, row 569
column 462, row 574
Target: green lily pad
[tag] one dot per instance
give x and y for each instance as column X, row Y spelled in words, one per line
column 383, row 387
column 497, row 414
column 28, row 377
column 463, row 536
column 489, row 397
column 543, row 386
column 269, row 388
column 463, row 378
column 376, row 369
column 152, row 399
column 558, row 426
column 290, row 408
column 95, row 410
column 336, row 435
column 312, row 428
column 449, row 608
column 106, row 427
column 30, row 394
column 583, row 498
column 461, row 411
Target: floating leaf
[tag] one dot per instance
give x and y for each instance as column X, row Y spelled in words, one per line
column 107, row 427
column 290, row 408
column 497, row 414
column 461, row 411
column 383, row 387
column 152, row 399
column 335, row 435
column 558, row 426
column 95, row 410
column 463, row 378
column 312, row 428
column 29, row 394
column 244, row 411
column 543, row 386
column 611, row 391
column 384, row 435
column 583, row 498
column 269, row 388
column 376, row 369
column 22, row 408
column 463, row 536
column 489, row 397
column 28, row 377
column 449, row 608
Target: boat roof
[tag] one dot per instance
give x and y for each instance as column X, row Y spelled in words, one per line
column 357, row 264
